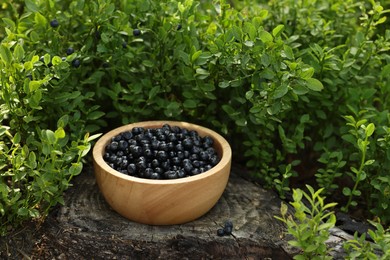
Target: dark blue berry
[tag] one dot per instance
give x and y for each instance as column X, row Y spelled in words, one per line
column 155, row 176
column 228, row 230
column 178, row 27
column 187, row 143
column 228, row 227
column 131, row 169
column 228, row 223
column 176, row 161
column 76, row 63
column 214, row 160
column 181, row 174
column 188, row 168
column 127, row 135
column 123, row 145
column 148, row 153
column 158, row 170
column 155, row 163
column 117, row 138
column 165, row 165
column 163, row 146
column 180, row 155
column 54, row 23
column 112, row 158
column 196, row 163
column 195, row 150
column 69, row 51
column 162, row 156
column 195, row 171
column 203, row 155
column 220, row 232
column 141, row 165
column 138, row 130
column 113, row 146
column 106, row 156
column 179, row 147
column 136, row 32
column 148, row 173
column 194, row 157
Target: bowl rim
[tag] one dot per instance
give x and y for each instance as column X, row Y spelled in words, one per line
column 104, row 139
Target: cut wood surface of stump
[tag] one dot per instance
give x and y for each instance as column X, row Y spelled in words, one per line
column 91, row 223
column 87, row 228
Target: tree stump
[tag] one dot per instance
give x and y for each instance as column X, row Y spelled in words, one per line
column 87, row 228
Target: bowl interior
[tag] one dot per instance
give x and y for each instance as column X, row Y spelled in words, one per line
column 221, row 146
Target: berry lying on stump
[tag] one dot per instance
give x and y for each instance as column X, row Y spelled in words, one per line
column 169, row 152
column 226, row 230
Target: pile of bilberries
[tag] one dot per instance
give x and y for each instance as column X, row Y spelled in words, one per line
column 226, row 230
column 168, row 152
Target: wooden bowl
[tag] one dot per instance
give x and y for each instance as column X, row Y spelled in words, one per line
column 162, row 202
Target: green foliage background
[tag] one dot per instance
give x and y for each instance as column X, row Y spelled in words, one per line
column 299, row 88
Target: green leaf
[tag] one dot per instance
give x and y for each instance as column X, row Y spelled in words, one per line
column 385, row 71
column 237, row 33
column 307, row 73
column 51, row 138
column 40, row 19
column 190, row 103
column 326, row 226
column 369, row 162
column 17, row 138
column 381, row 20
column 370, row 129
column 93, row 137
column 63, row 121
column 202, row 73
column 56, row 60
column 10, row 23
column 280, row 91
column 195, row 55
column 265, row 36
column 59, row 133
column 294, row 243
column 95, row 115
column 35, row 99
column 23, row 211
column 277, row 30
column 267, row 74
column 288, row 52
column 250, row 30
column 5, row 54
column 347, row 191
column 154, row 91
column 32, row 160
column 314, row 84
column 283, row 209
column 300, row 90
column 184, row 57
column 31, row 6
column 297, row 194
column 34, row 85
column 75, row 169
column 224, row 84
column 228, row 109
column 148, row 63
column 19, row 52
